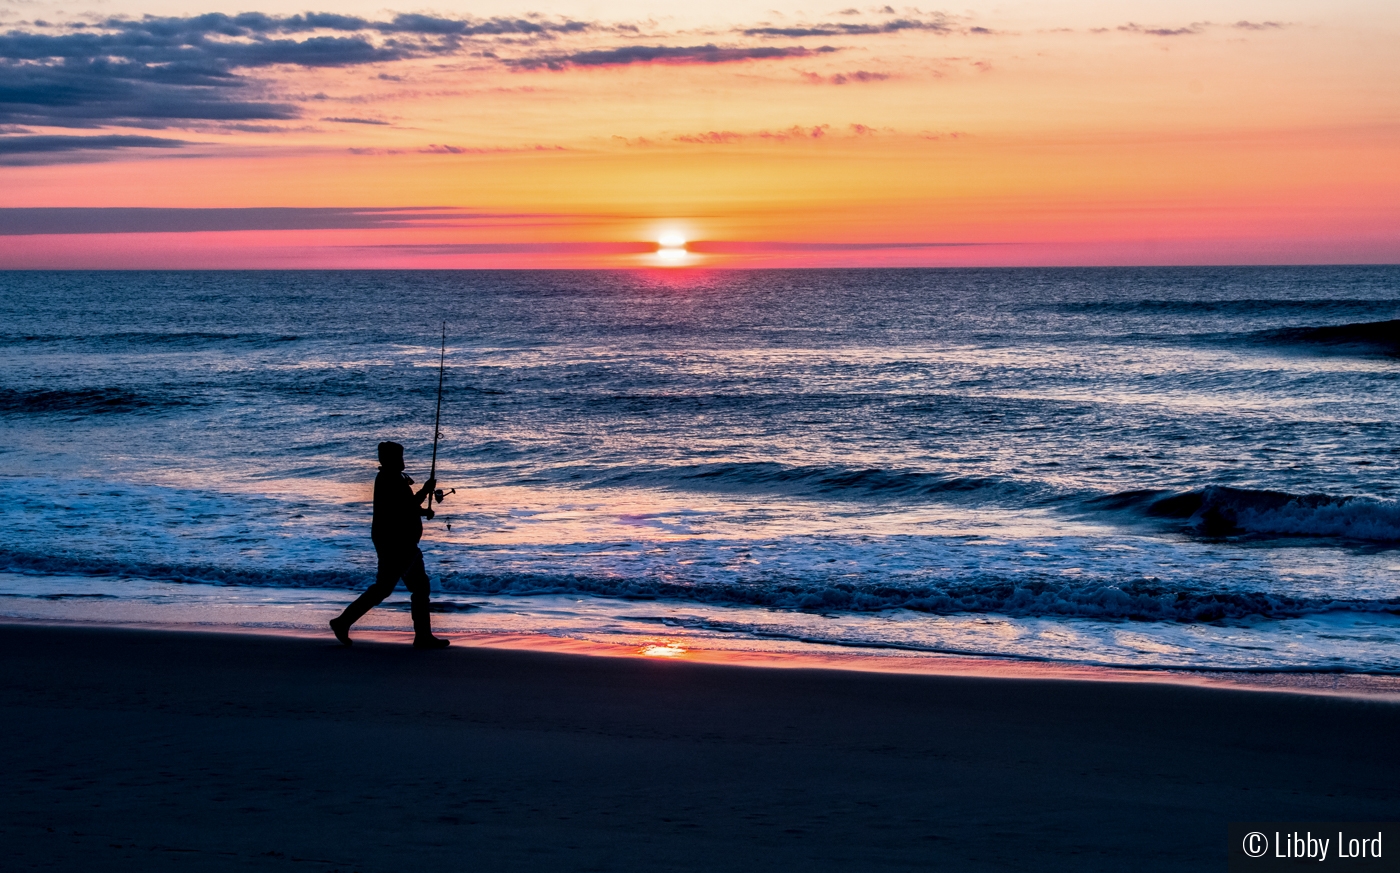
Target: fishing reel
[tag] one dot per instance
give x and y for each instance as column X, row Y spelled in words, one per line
column 439, row 494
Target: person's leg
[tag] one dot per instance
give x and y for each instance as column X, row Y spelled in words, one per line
column 415, row 578
column 390, row 569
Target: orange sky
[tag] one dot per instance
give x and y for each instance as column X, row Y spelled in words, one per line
column 571, row 136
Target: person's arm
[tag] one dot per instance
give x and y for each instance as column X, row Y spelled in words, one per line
column 385, row 500
column 427, row 489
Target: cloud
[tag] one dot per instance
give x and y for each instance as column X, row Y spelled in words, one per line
column 535, row 248
column 729, row 137
column 15, row 145
column 937, row 24
column 152, row 73
column 99, row 91
column 729, row 247
column 255, row 128
column 641, row 54
column 73, row 220
column 199, row 52
column 1194, row 28
column 703, row 247
column 47, row 149
column 158, row 71
column 428, row 24
column 258, row 24
column 435, row 149
column 844, row 78
column 1189, row 30
column 713, row 137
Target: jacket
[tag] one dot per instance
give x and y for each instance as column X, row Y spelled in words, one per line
column 398, row 517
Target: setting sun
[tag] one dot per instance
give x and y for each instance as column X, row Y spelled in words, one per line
column 672, row 251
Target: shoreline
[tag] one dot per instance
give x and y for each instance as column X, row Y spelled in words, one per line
column 1308, row 652
column 1364, row 686
column 152, row 750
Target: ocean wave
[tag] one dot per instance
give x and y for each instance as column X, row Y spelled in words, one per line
column 176, row 339
column 1241, row 306
column 18, row 339
column 1214, row 511
column 829, row 482
column 1219, row 511
column 1368, row 336
column 1017, row 595
column 203, row 574
column 82, row 400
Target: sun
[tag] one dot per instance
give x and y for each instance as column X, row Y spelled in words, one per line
column 672, row 251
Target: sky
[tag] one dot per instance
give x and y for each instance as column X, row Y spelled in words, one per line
column 503, row 134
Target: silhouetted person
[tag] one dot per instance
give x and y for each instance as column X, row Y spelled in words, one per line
column 397, row 528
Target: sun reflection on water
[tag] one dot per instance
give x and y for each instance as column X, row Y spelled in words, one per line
column 662, row 650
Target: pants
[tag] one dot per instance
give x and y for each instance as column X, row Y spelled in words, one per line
column 395, row 563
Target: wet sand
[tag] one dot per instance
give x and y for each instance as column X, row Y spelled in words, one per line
column 156, row 750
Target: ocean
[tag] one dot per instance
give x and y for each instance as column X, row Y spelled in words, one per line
column 1183, row 468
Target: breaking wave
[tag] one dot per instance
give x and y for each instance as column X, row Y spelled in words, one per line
column 1019, row 595
column 1368, row 336
column 1026, row 596
column 1219, row 511
column 1214, row 511
column 204, row 574
column 82, row 400
column 834, row 482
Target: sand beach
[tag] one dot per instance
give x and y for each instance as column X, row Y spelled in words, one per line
column 158, row 749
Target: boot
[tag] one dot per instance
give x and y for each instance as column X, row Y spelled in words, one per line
column 423, row 628
column 340, row 625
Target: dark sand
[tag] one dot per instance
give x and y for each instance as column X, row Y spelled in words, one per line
column 150, row 751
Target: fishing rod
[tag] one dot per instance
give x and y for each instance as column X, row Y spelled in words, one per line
column 437, row 422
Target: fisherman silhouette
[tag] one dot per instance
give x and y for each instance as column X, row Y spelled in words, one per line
column 396, row 530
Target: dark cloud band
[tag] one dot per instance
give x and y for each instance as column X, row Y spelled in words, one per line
column 32, row 145
column 539, row 248
column 725, row 247
column 72, row 220
column 938, row 24
column 159, row 71
column 644, row 54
